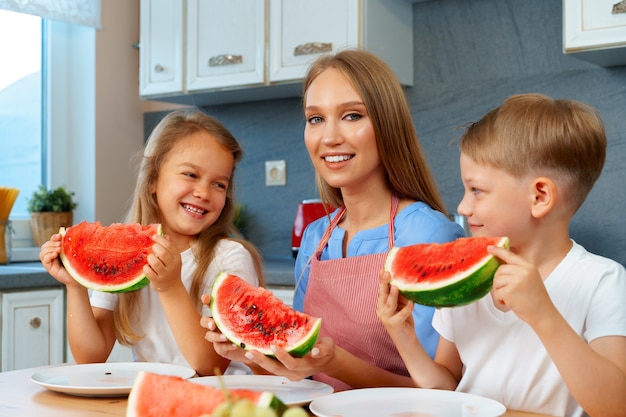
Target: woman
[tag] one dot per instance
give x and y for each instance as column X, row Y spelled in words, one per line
column 368, row 161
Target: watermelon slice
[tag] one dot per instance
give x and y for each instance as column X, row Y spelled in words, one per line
column 155, row 395
column 255, row 319
column 108, row 258
column 445, row 274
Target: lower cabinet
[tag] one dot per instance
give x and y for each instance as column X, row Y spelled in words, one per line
column 33, row 332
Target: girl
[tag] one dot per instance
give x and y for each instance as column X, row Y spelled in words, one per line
column 185, row 183
column 368, row 162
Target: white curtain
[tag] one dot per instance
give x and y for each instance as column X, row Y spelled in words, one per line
column 81, row 12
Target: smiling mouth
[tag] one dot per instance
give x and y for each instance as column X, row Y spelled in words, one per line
column 338, row 158
column 194, row 210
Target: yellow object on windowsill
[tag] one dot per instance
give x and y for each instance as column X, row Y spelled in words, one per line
column 7, row 198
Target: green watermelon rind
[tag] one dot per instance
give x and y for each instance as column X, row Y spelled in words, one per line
column 134, row 284
column 307, row 341
column 463, row 289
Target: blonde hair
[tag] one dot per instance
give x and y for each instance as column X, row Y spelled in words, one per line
column 407, row 170
column 145, row 210
column 532, row 134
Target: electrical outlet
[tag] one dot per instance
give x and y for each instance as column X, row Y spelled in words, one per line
column 275, row 173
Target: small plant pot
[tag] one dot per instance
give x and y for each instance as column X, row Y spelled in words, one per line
column 45, row 224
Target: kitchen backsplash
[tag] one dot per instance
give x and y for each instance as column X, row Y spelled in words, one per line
column 469, row 56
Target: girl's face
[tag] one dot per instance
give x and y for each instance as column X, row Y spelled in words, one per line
column 495, row 203
column 339, row 135
column 191, row 187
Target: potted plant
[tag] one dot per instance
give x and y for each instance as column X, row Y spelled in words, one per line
column 49, row 210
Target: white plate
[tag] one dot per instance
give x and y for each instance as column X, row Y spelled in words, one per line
column 113, row 379
column 405, row 402
column 291, row 393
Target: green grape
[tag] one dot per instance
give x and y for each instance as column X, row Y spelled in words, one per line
column 222, row 410
column 242, row 408
column 264, row 412
column 295, row 412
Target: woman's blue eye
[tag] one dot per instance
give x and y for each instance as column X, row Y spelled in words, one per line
column 314, row 120
column 353, row 116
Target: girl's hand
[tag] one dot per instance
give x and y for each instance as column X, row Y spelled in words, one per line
column 49, row 257
column 164, row 265
column 393, row 310
column 517, row 286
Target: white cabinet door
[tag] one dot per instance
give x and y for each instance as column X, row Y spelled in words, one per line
column 225, row 43
column 32, row 329
column 301, row 30
column 161, row 47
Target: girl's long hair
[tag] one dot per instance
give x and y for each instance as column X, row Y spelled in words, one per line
column 144, row 209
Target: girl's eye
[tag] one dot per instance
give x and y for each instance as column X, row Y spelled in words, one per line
column 221, row 185
column 189, row 174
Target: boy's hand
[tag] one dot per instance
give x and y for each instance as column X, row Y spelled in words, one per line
column 518, row 286
column 393, row 310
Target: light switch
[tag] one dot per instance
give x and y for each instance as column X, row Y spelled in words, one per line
column 275, row 173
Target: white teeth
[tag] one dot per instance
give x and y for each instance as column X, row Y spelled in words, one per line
column 193, row 209
column 337, row 158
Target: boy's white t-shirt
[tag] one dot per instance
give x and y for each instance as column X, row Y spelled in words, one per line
column 503, row 358
column 158, row 344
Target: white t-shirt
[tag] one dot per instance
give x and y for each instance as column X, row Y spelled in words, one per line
column 503, row 358
column 158, row 343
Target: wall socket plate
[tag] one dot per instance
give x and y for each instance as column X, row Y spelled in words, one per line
column 275, row 173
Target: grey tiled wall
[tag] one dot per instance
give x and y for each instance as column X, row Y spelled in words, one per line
column 469, row 56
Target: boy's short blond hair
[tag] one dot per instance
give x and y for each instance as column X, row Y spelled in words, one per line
column 532, row 134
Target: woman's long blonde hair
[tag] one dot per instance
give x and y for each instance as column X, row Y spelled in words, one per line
column 407, row 170
column 144, row 209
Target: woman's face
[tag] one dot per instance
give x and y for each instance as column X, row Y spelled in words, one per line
column 339, row 135
column 192, row 185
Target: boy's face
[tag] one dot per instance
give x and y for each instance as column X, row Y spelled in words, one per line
column 495, row 203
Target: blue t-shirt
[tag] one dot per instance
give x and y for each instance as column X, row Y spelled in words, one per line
column 416, row 223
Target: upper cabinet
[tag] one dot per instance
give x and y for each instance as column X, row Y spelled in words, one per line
column 595, row 30
column 204, row 52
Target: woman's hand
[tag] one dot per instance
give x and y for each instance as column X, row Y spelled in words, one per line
column 318, row 360
column 293, row 368
column 49, row 257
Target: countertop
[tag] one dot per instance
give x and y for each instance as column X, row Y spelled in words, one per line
column 279, row 273
column 25, row 275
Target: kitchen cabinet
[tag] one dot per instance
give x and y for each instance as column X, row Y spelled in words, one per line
column 161, row 47
column 203, row 52
column 32, row 328
column 595, row 30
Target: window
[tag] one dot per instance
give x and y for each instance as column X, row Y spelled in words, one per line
column 21, row 106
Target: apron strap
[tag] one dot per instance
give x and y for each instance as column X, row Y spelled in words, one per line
column 395, row 202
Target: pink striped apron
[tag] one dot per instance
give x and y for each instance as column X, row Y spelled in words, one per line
column 343, row 293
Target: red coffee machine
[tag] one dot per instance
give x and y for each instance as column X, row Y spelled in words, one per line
column 308, row 211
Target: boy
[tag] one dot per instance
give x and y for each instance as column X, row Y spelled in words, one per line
column 551, row 337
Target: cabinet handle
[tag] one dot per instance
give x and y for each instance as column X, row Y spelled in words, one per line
column 35, row 322
column 159, row 68
column 225, row 59
column 311, row 48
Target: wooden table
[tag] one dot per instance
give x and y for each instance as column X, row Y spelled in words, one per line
column 20, row 397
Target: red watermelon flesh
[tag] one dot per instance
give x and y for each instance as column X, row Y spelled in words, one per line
column 108, row 258
column 255, row 319
column 445, row 274
column 155, row 395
